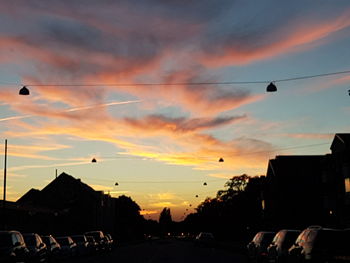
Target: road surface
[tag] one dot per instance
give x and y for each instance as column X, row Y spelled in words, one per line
column 165, row 251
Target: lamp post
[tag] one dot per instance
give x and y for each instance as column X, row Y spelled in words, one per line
column 4, row 198
column 5, row 164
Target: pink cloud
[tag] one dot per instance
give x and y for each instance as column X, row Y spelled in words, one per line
column 291, row 38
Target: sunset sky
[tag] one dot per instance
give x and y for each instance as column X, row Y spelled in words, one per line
column 142, row 87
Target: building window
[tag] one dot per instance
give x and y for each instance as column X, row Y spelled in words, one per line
column 347, row 185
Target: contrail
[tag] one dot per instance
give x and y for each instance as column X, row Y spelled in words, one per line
column 102, row 105
column 16, row 117
column 76, row 109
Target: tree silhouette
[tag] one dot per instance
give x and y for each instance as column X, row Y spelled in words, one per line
column 129, row 222
column 235, row 186
column 234, row 210
column 165, row 220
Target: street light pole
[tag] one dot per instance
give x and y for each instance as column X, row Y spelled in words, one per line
column 4, row 199
column 5, row 166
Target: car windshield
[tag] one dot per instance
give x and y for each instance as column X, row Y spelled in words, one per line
column 30, row 240
column 63, row 241
column 79, row 239
column 330, row 239
column 90, row 239
column 290, row 237
column 96, row 235
column 277, row 237
column 5, row 240
column 267, row 237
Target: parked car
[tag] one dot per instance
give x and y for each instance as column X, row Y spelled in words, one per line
column 82, row 244
column 99, row 238
column 205, row 239
column 12, row 247
column 68, row 246
column 92, row 244
column 53, row 247
column 277, row 251
column 109, row 241
column 257, row 248
column 321, row 245
column 37, row 247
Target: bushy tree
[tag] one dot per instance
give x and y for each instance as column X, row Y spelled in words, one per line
column 233, row 211
column 129, row 222
column 165, row 220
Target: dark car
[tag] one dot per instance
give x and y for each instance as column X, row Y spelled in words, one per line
column 277, row 251
column 321, row 245
column 53, row 247
column 92, row 244
column 82, row 244
column 205, row 239
column 99, row 238
column 12, row 247
column 257, row 248
column 37, row 248
column 110, row 240
column 68, row 246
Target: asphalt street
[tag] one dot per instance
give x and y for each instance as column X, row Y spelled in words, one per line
column 165, row 251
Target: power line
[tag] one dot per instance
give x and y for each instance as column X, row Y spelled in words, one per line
column 179, row 83
column 154, row 182
column 209, row 158
column 285, row 148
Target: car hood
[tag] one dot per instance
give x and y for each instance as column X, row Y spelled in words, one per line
column 5, row 250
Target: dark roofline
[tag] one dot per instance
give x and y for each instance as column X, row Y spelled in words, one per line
column 274, row 163
column 344, row 138
column 63, row 176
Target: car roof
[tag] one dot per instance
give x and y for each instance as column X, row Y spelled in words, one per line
column 9, row 232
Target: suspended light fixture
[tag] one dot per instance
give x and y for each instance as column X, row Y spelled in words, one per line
column 196, row 195
column 24, row 91
column 271, row 87
column 93, row 160
column 205, row 183
column 116, row 183
column 221, row 160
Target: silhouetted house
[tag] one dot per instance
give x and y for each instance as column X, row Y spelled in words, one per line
column 76, row 206
column 26, row 218
column 301, row 191
column 341, row 152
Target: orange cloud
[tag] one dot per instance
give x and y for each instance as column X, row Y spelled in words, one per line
column 29, row 151
column 182, row 142
column 148, row 212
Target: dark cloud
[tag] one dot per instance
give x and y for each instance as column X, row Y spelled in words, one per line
column 89, row 39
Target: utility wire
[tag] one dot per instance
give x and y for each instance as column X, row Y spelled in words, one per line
column 209, row 158
column 153, row 182
column 181, row 83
